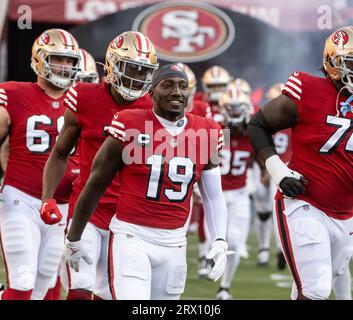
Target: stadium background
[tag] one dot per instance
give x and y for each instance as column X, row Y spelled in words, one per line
column 260, row 41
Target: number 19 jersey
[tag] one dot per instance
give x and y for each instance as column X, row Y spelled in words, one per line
column 160, row 168
column 322, row 143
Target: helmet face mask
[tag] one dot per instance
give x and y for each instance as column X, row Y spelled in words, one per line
column 236, row 114
column 59, row 74
column 344, row 63
column 236, row 107
column 51, row 52
column 130, row 64
column 130, row 78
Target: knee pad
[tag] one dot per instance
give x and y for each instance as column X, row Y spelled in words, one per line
column 24, row 278
column 317, row 281
column 16, row 235
column 49, row 263
column 176, row 279
column 264, row 216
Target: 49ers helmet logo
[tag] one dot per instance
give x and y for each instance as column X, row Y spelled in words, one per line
column 340, row 37
column 186, row 31
column 43, row 39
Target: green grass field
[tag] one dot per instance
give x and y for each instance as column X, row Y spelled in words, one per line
column 250, row 282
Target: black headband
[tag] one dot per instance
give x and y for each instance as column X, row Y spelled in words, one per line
column 169, row 71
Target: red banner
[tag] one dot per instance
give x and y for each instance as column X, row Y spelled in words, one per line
column 299, row 15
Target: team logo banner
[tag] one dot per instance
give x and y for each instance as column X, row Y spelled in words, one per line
column 186, row 31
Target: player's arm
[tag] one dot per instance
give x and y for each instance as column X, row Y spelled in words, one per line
column 107, row 162
column 4, row 154
column 216, row 215
column 56, row 166
column 278, row 114
column 5, row 122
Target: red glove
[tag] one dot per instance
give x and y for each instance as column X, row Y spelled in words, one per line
column 49, row 212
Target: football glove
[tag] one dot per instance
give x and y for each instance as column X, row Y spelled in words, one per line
column 290, row 182
column 218, row 256
column 49, row 212
column 74, row 251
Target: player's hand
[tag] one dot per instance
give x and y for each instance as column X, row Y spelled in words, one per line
column 291, row 187
column 74, row 251
column 218, row 256
column 289, row 182
column 50, row 212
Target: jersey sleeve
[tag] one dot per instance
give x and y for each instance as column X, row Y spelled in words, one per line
column 296, row 88
column 118, row 126
column 71, row 99
column 7, row 97
column 3, row 97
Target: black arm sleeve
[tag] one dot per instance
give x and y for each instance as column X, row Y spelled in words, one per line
column 260, row 133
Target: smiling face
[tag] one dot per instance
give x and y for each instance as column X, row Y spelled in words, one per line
column 170, row 98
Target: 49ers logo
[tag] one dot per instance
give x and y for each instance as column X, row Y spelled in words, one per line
column 186, row 31
column 340, row 37
column 43, row 39
column 117, row 42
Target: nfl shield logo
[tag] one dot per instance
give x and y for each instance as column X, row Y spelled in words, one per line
column 55, row 104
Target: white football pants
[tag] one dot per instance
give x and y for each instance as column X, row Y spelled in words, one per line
column 317, row 248
column 92, row 277
column 32, row 250
column 141, row 270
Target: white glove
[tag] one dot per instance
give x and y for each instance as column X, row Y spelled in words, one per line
column 218, row 253
column 74, row 252
column 278, row 170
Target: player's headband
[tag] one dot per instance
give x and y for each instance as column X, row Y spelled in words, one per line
column 168, row 71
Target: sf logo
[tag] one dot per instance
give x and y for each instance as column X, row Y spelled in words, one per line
column 183, row 26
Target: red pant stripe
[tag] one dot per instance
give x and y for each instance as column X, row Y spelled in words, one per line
column 286, row 243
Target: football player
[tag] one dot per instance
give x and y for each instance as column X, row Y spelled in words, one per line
column 31, row 115
column 158, row 160
column 314, row 204
column 87, row 68
column 215, row 82
column 264, row 195
column 130, row 63
column 203, row 109
column 237, row 157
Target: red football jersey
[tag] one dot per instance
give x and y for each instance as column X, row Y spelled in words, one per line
column 36, row 120
column 322, row 143
column 236, row 159
column 201, row 108
column 282, row 140
column 94, row 108
column 156, row 187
